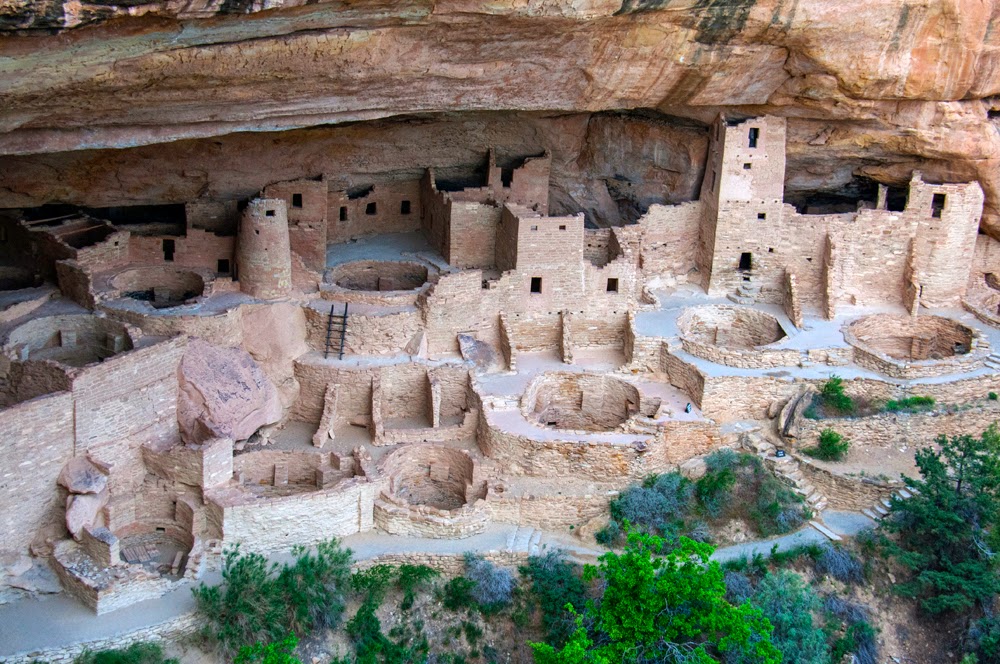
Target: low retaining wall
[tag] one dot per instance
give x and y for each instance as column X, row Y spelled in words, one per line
column 886, row 429
column 846, row 493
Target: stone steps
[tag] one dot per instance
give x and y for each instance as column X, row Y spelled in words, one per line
column 881, row 509
column 787, row 469
column 829, row 534
column 524, row 539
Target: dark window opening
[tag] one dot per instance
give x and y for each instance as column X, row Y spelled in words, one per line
column 896, row 198
column 343, row 213
column 536, row 284
column 296, row 200
column 3, row 235
column 937, row 205
column 223, row 266
column 161, row 530
column 562, row 227
column 269, row 213
column 370, row 209
column 404, row 207
column 168, row 250
column 612, row 285
column 754, row 135
column 746, row 261
column 770, row 250
column 761, row 215
column 506, row 177
column 747, row 166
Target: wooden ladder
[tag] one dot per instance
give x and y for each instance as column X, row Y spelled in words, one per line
column 336, row 331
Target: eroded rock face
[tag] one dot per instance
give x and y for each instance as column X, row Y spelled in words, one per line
column 274, row 336
column 79, row 475
column 870, row 88
column 84, row 510
column 223, row 393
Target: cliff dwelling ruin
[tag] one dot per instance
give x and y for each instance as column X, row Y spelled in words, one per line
column 278, row 272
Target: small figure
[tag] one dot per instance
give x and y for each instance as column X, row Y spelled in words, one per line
column 687, row 408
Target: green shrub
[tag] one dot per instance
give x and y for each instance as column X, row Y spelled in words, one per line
column 260, row 602
column 658, row 506
column 788, row 603
column 137, row 653
column 457, row 594
column 833, row 396
column 984, row 640
column 556, row 584
column 281, row 652
column 410, row 578
column 992, row 396
column 910, row 405
column 832, row 446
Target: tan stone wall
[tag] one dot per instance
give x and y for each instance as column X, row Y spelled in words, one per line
column 307, row 221
column 38, row 441
column 263, row 253
column 552, row 513
column 388, row 217
column 895, row 429
column 846, row 493
column 305, row 518
column 197, row 248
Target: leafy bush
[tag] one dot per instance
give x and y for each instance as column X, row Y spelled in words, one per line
column 910, row 404
column 714, row 491
column 457, row 594
column 281, row 652
column 739, row 588
column 494, row 586
column 992, row 396
column 411, row 577
column 260, row 602
column 555, row 583
column 833, row 396
column 841, row 564
column 663, row 608
column 832, row 446
column 788, row 603
column 137, row 653
column 984, row 640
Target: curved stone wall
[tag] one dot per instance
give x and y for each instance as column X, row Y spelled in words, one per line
column 160, row 286
column 75, row 340
column 736, row 336
column 431, row 491
column 907, row 347
column 381, row 283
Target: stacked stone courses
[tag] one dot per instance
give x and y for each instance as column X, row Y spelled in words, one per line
column 499, row 364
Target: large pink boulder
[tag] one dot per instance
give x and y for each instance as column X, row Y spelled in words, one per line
column 223, row 394
column 83, row 511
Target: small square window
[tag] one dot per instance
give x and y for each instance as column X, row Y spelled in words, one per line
column 937, row 205
column 343, row 213
column 770, row 250
column 223, row 266
column 536, row 284
column 269, row 213
column 762, row 215
column 404, row 207
column 613, row 285
column 296, row 200
column 370, row 209
column 746, row 166
column 534, row 228
column 562, row 227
